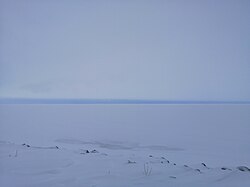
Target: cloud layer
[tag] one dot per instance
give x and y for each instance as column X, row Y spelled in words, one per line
column 172, row 50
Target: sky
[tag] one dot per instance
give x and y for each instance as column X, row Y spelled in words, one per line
column 157, row 50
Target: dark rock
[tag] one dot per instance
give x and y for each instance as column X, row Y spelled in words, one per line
column 198, row 170
column 94, row 151
column 172, row 177
column 204, row 164
column 131, row 162
column 243, row 168
column 224, row 168
column 150, row 156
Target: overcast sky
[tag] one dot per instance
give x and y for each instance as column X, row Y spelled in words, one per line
column 168, row 50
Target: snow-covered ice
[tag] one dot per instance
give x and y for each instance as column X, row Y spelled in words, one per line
column 124, row 145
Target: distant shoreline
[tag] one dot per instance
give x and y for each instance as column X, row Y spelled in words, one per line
column 109, row 101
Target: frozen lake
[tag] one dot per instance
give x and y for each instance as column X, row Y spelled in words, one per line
column 217, row 129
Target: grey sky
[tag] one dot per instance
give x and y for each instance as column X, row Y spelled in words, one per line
column 173, row 50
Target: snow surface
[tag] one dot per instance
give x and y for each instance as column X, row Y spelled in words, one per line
column 124, row 145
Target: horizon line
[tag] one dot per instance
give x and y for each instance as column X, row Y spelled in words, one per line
column 112, row 101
